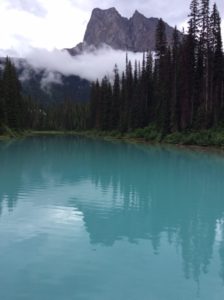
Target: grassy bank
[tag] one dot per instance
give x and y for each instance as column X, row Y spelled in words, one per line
column 203, row 138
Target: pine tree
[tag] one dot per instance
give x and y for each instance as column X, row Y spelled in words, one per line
column 12, row 96
column 105, row 105
column 175, row 65
column 194, row 19
column 205, row 49
column 217, row 65
column 115, row 113
column 149, row 88
column 167, row 91
column 129, row 95
column 192, row 60
column 136, row 108
column 2, row 104
column 94, row 105
column 123, row 105
column 161, row 39
column 160, row 72
column 144, row 92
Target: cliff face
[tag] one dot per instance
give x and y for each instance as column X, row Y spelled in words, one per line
column 108, row 27
column 136, row 34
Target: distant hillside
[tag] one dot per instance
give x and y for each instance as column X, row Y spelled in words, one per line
column 70, row 87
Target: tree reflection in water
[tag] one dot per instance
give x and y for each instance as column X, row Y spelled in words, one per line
column 155, row 191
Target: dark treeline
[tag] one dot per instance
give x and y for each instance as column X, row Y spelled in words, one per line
column 15, row 110
column 19, row 112
column 180, row 87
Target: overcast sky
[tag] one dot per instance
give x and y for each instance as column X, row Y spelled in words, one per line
column 60, row 24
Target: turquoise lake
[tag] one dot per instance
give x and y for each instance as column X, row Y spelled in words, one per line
column 88, row 219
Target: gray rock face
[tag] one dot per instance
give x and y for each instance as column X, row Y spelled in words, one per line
column 108, row 27
column 136, row 34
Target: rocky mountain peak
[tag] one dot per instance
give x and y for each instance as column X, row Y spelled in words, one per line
column 107, row 26
column 138, row 15
column 105, row 12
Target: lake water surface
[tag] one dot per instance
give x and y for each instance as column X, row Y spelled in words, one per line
column 84, row 219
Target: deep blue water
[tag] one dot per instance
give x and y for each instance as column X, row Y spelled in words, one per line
column 96, row 220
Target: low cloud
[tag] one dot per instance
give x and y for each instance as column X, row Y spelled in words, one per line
column 88, row 65
column 49, row 78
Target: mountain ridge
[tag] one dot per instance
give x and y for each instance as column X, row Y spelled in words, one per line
column 108, row 26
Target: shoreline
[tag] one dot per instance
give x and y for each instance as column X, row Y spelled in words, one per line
column 111, row 136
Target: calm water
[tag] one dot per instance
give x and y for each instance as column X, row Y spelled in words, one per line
column 96, row 220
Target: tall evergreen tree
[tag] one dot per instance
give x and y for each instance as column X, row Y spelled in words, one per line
column 149, row 89
column 123, row 105
column 175, row 65
column 94, row 105
column 217, row 66
column 161, row 39
column 160, row 71
column 129, row 93
column 194, row 19
column 12, row 96
column 2, row 104
column 136, row 117
column 167, row 92
column 115, row 112
column 105, row 105
column 205, row 49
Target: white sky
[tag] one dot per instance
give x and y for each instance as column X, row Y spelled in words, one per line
column 61, row 24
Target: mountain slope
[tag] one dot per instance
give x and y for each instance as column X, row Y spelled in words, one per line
column 69, row 87
column 136, row 34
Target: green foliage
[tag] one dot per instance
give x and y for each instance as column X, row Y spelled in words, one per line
column 11, row 94
column 200, row 138
column 150, row 133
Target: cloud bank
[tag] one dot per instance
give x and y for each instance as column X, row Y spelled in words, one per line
column 89, row 65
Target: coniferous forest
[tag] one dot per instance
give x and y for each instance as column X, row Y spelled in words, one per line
column 178, row 88
column 181, row 87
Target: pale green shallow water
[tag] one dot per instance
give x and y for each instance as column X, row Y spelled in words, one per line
column 96, row 220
